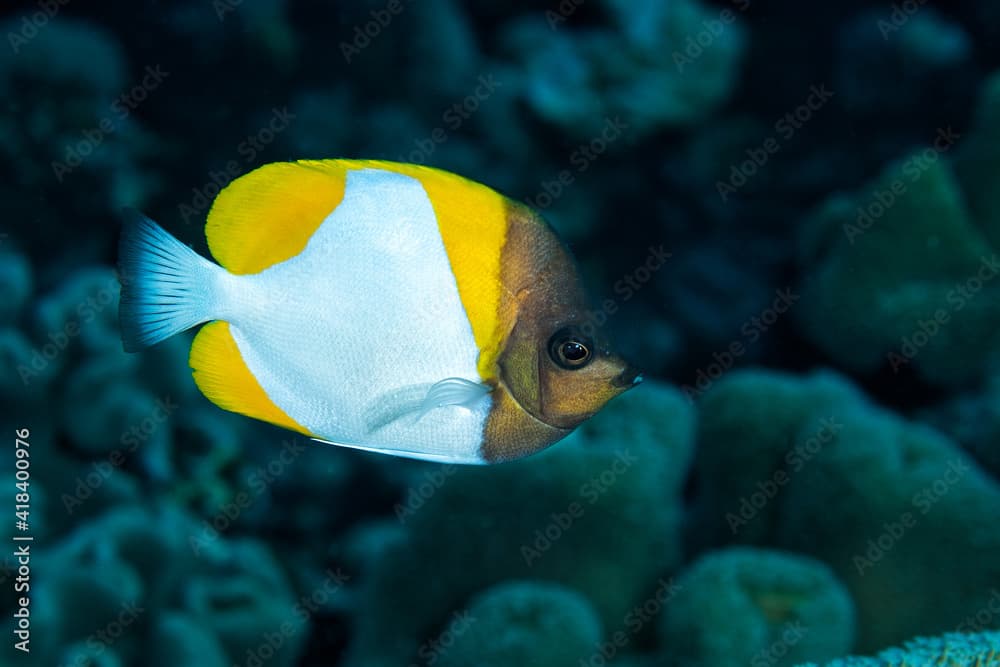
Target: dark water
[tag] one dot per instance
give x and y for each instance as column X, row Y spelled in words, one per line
column 787, row 214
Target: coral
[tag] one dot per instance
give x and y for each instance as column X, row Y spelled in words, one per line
column 16, row 284
column 972, row 419
column 875, row 498
column 558, row 517
column 520, row 623
column 649, row 69
column 885, row 68
column 950, row 650
column 741, row 486
column 884, row 504
column 742, row 606
column 127, row 569
column 900, row 275
column 75, row 125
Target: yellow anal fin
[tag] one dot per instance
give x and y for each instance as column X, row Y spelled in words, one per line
column 267, row 216
column 223, row 377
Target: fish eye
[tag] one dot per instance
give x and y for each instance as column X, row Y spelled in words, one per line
column 570, row 350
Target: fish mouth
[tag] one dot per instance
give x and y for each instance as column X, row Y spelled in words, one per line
column 628, row 378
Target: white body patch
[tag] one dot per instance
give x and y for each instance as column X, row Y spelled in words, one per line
column 348, row 336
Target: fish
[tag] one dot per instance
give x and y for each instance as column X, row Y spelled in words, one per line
column 382, row 306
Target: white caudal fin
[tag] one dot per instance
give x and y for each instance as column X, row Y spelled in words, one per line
column 166, row 286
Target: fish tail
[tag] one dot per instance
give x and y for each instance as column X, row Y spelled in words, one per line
column 166, row 286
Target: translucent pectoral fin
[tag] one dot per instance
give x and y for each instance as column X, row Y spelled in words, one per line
column 417, row 401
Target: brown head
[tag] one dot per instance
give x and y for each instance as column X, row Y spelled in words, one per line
column 553, row 371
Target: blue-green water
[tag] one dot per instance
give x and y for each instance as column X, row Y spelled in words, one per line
column 786, row 215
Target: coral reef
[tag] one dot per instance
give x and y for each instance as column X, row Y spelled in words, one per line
column 519, row 623
column 744, row 606
column 950, row 650
column 662, row 65
column 869, row 494
column 903, row 273
column 126, row 568
column 558, row 517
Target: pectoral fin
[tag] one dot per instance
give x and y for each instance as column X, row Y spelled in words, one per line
column 417, row 401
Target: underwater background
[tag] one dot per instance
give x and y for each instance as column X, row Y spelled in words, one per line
column 811, row 470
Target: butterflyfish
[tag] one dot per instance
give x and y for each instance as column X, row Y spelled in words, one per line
column 382, row 306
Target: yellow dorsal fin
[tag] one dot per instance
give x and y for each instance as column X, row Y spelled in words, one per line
column 472, row 219
column 223, row 377
column 268, row 215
